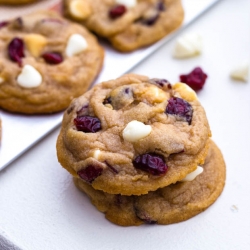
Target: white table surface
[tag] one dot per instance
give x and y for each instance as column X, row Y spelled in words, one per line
column 40, row 209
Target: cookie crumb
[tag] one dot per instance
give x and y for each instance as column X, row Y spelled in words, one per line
column 234, row 209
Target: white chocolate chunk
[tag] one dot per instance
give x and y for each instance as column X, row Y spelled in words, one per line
column 1, row 80
column 80, row 9
column 76, row 44
column 187, row 46
column 191, row 176
column 185, row 91
column 127, row 3
column 96, row 154
column 35, row 43
column 241, row 72
column 135, row 131
column 29, row 77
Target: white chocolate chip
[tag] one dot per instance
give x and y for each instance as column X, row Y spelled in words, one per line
column 135, row 131
column 1, row 80
column 76, row 44
column 29, row 77
column 96, row 154
column 185, row 91
column 187, row 46
column 191, row 176
column 80, row 9
column 241, row 72
column 35, row 43
column 127, row 3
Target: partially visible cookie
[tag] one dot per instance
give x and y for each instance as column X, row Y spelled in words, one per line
column 16, row 2
column 45, row 61
column 172, row 204
column 127, row 24
column 133, row 135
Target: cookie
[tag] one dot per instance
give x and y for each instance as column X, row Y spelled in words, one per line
column 175, row 203
column 45, row 61
column 133, row 135
column 16, row 2
column 127, row 24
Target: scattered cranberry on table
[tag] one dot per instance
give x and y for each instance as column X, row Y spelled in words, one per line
column 195, row 79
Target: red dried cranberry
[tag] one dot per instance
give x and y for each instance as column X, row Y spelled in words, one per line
column 16, row 50
column 161, row 83
column 181, row 108
column 117, row 11
column 195, row 79
column 87, row 124
column 3, row 24
column 151, row 163
column 52, row 57
column 90, row 173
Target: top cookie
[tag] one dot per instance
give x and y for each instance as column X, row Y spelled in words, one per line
column 128, row 24
column 45, row 61
column 133, row 135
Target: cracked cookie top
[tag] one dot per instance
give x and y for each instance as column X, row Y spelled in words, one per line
column 45, row 61
column 133, row 135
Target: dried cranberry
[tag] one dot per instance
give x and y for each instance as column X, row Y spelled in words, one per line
column 161, row 6
column 87, row 124
column 3, row 24
column 161, row 83
column 90, row 173
column 16, row 50
column 181, row 108
column 52, row 57
column 152, row 163
column 117, row 11
column 195, row 79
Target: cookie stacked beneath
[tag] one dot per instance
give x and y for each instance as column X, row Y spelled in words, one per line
column 127, row 24
column 140, row 148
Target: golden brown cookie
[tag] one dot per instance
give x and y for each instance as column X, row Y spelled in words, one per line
column 127, row 24
column 45, row 61
column 133, row 135
column 172, row 204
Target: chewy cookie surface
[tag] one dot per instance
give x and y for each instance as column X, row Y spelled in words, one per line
column 172, row 204
column 45, row 61
column 127, row 24
column 133, row 135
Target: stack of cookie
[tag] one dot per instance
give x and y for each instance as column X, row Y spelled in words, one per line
column 127, row 24
column 140, row 148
